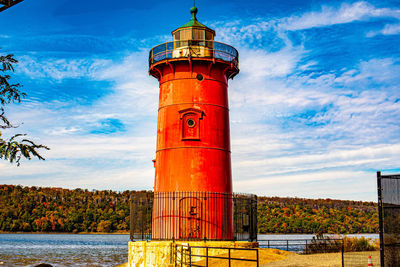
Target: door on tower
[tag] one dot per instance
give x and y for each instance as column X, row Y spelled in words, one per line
column 190, row 211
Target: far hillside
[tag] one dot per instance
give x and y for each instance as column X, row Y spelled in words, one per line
column 308, row 216
column 43, row 209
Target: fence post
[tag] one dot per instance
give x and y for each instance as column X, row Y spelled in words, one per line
column 173, row 217
column 206, row 256
column 183, row 256
column 190, row 256
column 380, row 211
column 342, row 253
column 229, row 256
column 287, row 245
column 131, row 224
column 258, row 259
column 174, row 246
column 205, row 219
column 306, row 246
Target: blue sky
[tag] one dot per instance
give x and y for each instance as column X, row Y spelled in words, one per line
column 315, row 110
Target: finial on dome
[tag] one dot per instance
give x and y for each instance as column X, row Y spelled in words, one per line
column 194, row 11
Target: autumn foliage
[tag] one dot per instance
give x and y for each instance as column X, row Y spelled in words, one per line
column 310, row 216
column 36, row 209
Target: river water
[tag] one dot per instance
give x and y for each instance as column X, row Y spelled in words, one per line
column 80, row 250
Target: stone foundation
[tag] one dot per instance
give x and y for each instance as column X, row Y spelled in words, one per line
column 160, row 253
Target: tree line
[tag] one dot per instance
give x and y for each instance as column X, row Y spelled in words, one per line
column 43, row 209
column 310, row 216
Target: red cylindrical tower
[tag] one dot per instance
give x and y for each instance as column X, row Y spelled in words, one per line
column 193, row 183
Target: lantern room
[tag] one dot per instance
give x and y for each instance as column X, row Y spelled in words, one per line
column 193, row 39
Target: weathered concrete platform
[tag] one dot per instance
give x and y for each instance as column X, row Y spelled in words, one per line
column 160, row 253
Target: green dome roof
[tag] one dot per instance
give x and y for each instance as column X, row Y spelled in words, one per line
column 193, row 21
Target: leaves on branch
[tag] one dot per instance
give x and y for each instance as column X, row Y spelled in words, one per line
column 9, row 92
column 13, row 150
column 7, row 61
column 4, row 122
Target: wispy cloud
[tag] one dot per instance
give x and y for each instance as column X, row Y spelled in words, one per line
column 346, row 13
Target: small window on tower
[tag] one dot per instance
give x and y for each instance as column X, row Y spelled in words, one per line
column 209, row 36
column 176, row 36
column 198, row 34
column 190, row 123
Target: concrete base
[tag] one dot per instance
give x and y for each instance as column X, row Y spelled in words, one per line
column 160, row 253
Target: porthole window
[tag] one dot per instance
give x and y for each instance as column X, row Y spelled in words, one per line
column 199, row 77
column 190, row 123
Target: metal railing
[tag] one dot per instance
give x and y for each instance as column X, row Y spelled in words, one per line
column 141, row 208
column 193, row 49
column 202, row 256
column 304, row 246
column 193, row 216
column 389, row 218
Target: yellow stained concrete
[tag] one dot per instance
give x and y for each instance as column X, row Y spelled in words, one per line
column 159, row 253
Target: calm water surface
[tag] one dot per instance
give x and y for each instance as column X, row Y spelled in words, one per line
column 63, row 249
column 81, row 250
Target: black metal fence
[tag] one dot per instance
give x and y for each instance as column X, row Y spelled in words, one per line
column 141, row 208
column 389, row 218
column 304, row 246
column 193, row 216
column 201, row 256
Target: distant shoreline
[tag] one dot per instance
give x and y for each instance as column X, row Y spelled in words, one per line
column 127, row 233
column 67, row 233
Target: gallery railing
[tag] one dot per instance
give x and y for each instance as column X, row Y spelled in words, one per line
column 217, row 216
column 194, row 49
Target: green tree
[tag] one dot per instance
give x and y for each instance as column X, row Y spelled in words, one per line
column 17, row 146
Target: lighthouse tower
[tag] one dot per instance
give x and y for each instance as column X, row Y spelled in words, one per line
column 193, row 208
column 193, row 183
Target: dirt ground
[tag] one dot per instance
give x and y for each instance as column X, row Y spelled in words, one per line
column 280, row 258
column 265, row 255
column 354, row 259
column 317, row 260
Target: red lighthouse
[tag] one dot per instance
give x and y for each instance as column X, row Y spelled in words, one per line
column 193, row 183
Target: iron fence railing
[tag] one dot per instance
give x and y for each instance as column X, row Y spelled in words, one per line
column 193, row 49
column 304, row 246
column 389, row 218
column 141, row 206
column 202, row 256
column 215, row 216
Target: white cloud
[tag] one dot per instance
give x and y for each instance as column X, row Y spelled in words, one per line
column 257, row 63
column 328, row 16
column 389, row 29
column 354, row 185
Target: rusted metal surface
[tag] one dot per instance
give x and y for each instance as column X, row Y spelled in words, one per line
column 193, row 139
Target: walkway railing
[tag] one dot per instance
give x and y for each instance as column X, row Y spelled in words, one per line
column 193, row 49
column 201, row 256
column 304, row 246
